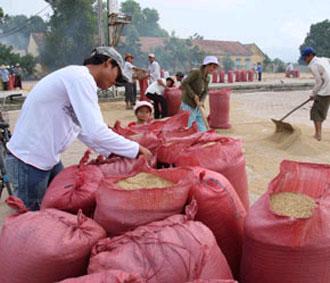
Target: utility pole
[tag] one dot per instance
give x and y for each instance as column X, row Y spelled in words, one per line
column 101, row 40
column 116, row 22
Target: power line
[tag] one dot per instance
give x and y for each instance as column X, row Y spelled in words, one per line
column 23, row 26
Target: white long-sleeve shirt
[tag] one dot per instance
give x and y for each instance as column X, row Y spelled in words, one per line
column 154, row 71
column 320, row 68
column 156, row 87
column 129, row 70
column 60, row 108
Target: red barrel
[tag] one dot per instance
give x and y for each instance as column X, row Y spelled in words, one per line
column 143, row 87
column 11, row 82
column 214, row 77
column 237, row 76
column 219, row 108
column 222, row 76
column 230, row 76
column 243, row 75
column 173, row 99
column 250, row 75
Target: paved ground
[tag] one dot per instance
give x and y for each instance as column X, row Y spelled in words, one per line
column 250, row 119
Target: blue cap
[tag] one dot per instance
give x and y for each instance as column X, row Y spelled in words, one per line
column 307, row 51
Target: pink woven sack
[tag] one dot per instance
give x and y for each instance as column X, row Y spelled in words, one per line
column 174, row 250
column 74, row 188
column 45, row 246
column 108, row 276
column 280, row 247
column 119, row 210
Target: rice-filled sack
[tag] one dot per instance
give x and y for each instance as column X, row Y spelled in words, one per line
column 174, row 250
column 221, row 210
column 74, row 188
column 46, row 246
column 142, row 197
column 223, row 155
column 287, row 231
column 108, row 276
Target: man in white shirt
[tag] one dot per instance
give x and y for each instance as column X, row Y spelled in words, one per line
column 153, row 68
column 155, row 92
column 61, row 107
column 320, row 68
column 130, row 85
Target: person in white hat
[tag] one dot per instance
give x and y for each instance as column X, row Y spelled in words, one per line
column 142, row 110
column 61, row 107
column 153, row 68
column 194, row 90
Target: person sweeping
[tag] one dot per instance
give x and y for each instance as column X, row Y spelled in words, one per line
column 320, row 68
column 195, row 89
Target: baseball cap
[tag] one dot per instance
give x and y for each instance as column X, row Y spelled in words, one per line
column 113, row 54
column 152, row 55
column 210, row 60
column 142, row 103
column 307, row 51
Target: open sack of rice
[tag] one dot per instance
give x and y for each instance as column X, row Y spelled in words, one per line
column 287, row 231
column 143, row 196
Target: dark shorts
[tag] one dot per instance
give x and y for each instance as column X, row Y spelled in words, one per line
column 320, row 108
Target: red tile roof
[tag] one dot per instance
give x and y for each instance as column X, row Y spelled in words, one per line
column 214, row 47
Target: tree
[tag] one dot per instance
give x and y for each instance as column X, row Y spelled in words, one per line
column 179, row 54
column 319, row 38
column 279, row 65
column 16, row 30
column 72, row 33
column 132, row 45
column 228, row 63
column 145, row 21
column 8, row 57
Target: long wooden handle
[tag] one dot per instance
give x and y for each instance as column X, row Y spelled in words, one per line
column 201, row 109
column 296, row 108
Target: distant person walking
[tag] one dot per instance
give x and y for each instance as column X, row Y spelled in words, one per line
column 130, row 86
column 259, row 71
column 153, row 68
column 194, row 90
column 18, row 76
column 320, row 68
column 4, row 73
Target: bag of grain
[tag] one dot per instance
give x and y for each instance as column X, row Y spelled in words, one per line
column 213, row 281
column 74, row 188
column 117, row 166
column 123, row 203
column 45, row 246
column 221, row 210
column 287, row 231
column 221, row 154
column 174, row 250
column 108, row 276
column 156, row 126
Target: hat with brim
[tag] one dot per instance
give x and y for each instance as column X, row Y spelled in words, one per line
column 210, row 60
column 128, row 55
column 151, row 55
column 114, row 55
column 142, row 103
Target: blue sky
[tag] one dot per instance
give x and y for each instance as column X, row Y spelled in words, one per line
column 277, row 27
